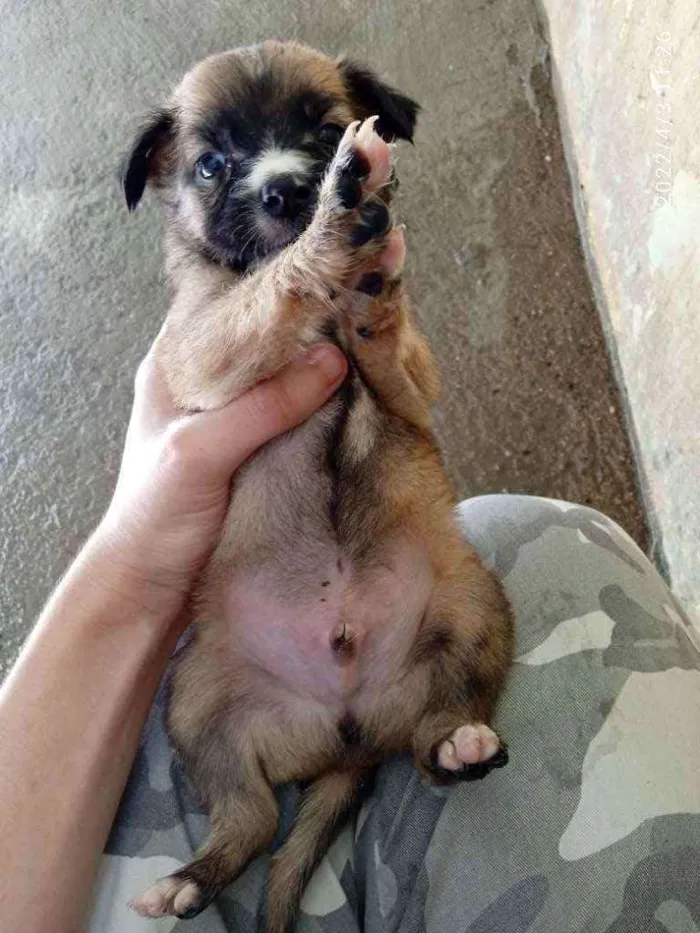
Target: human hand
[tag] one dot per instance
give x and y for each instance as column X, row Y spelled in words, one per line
column 173, row 490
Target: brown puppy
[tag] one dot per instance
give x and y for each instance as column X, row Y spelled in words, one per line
column 342, row 619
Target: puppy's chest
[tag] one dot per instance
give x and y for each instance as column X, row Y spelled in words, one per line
column 306, row 595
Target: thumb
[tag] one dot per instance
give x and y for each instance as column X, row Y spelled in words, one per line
column 276, row 405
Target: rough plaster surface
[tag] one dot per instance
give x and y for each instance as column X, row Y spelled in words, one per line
column 495, row 266
column 627, row 81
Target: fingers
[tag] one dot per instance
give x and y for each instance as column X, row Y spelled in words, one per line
column 233, row 433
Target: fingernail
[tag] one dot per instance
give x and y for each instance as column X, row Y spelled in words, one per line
column 329, row 360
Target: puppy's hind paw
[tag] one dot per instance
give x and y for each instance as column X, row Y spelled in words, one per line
column 469, row 753
column 171, row 896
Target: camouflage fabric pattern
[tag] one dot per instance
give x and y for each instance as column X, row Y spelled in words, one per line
column 594, row 825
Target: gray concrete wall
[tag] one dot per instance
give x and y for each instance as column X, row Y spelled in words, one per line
column 626, row 75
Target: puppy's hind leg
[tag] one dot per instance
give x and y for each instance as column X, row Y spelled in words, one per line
column 465, row 649
column 324, row 807
column 243, row 823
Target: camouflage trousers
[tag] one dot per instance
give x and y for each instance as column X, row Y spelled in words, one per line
column 593, row 826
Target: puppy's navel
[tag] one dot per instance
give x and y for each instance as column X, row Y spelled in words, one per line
column 344, row 643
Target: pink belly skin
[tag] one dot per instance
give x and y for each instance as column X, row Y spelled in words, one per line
column 335, row 633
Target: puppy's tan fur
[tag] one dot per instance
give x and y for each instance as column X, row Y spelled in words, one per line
column 362, row 481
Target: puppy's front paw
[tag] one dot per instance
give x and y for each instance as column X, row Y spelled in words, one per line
column 364, row 166
column 469, row 753
column 352, row 221
column 363, row 156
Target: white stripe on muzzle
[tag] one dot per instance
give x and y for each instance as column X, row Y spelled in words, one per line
column 274, row 162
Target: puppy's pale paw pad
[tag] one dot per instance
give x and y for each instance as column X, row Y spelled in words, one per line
column 187, row 899
column 473, row 744
column 155, row 901
column 170, row 896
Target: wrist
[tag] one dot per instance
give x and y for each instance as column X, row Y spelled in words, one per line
column 114, row 570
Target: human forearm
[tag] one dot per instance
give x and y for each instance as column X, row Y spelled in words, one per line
column 73, row 707
column 70, row 717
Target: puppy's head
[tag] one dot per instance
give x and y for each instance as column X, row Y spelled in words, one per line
column 239, row 153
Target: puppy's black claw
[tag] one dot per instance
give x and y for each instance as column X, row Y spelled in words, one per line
column 375, row 220
column 500, row 759
column 190, row 912
column 372, row 283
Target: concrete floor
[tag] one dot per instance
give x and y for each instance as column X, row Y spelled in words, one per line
column 529, row 401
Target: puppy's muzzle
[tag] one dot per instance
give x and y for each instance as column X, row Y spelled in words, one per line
column 285, row 197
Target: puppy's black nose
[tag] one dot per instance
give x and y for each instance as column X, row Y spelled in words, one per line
column 284, row 196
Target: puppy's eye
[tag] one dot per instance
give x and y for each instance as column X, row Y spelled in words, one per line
column 210, row 165
column 331, row 134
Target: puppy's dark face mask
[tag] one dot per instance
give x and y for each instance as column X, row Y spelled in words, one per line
column 239, row 154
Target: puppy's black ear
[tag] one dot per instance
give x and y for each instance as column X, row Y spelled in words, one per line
column 140, row 161
column 370, row 95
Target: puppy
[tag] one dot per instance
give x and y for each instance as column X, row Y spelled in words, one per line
column 342, row 618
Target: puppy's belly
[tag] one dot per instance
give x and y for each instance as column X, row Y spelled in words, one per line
column 334, row 634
